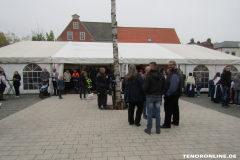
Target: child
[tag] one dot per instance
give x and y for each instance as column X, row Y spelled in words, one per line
column 60, row 86
column 44, row 86
column 89, row 81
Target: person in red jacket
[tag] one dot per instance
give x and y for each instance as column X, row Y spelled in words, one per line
column 75, row 77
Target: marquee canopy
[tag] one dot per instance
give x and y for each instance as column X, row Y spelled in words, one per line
column 102, row 53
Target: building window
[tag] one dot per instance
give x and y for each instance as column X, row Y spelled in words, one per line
column 75, row 25
column 233, row 53
column 70, row 35
column 82, row 35
column 227, row 52
column 31, row 77
column 204, row 72
column 149, row 39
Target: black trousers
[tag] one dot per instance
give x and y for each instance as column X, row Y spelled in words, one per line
column 138, row 112
column 67, row 87
column 171, row 107
column 102, row 97
column 60, row 93
column 55, row 87
column 16, row 87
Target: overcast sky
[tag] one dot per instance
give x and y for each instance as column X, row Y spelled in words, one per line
column 198, row 19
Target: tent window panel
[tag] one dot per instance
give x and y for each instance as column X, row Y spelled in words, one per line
column 31, row 77
column 30, row 74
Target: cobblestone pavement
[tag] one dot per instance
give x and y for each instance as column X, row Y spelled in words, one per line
column 75, row 129
column 13, row 105
column 206, row 102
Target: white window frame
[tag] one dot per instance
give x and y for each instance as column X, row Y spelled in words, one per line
column 81, row 36
column 68, row 37
column 75, row 26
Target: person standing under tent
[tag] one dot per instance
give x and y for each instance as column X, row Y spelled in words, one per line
column 75, row 77
column 2, row 85
column 16, row 83
column 67, row 78
column 54, row 77
column 216, row 95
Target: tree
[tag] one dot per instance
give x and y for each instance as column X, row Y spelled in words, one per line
column 38, row 35
column 11, row 37
column 26, row 38
column 3, row 40
column 115, row 53
column 50, row 36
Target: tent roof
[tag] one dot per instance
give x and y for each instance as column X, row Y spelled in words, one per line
column 102, row 53
column 30, row 52
column 85, row 53
column 144, row 53
column 195, row 54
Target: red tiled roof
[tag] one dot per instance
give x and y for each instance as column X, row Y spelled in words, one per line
column 141, row 35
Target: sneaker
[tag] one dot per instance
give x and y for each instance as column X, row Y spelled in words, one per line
column 231, row 102
column 198, row 96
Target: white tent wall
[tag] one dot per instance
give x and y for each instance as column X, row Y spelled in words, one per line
column 11, row 68
column 59, row 67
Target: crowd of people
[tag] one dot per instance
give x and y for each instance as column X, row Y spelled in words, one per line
column 146, row 90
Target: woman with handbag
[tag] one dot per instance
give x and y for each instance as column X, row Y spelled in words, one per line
column 83, row 84
column 16, row 83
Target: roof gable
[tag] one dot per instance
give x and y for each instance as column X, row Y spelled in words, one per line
column 227, row 44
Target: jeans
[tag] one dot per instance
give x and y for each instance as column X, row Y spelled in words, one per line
column 198, row 89
column 75, row 83
column 237, row 97
column 225, row 95
column 84, row 92
column 153, row 103
column 210, row 88
column 144, row 108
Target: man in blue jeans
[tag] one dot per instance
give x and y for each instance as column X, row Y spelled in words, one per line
column 226, row 84
column 153, row 88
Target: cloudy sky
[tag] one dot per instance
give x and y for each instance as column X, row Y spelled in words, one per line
column 198, row 19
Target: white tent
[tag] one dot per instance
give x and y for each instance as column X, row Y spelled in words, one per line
column 30, row 52
column 195, row 54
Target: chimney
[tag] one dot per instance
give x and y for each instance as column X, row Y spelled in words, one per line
column 75, row 16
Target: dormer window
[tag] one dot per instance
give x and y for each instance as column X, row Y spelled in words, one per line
column 75, row 25
column 149, row 39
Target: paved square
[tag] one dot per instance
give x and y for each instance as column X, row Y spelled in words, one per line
column 75, row 129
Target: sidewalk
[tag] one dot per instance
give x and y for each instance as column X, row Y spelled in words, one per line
column 75, row 129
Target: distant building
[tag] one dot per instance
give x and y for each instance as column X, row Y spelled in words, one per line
column 207, row 44
column 229, row 47
column 80, row 31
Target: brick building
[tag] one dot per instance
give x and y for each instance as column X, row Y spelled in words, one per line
column 102, row 32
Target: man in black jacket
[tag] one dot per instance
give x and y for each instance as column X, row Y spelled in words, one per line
column 174, row 90
column 102, row 88
column 226, row 84
column 153, row 88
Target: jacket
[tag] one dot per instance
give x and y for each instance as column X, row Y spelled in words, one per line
column 174, row 83
column 89, row 81
column 154, row 84
column 83, row 82
column 56, row 76
column 190, row 80
column 67, row 76
column 133, row 91
column 236, row 81
column 60, row 84
column 17, row 79
column 44, row 75
column 199, row 81
column 101, row 81
column 75, row 76
column 2, row 83
column 226, row 79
